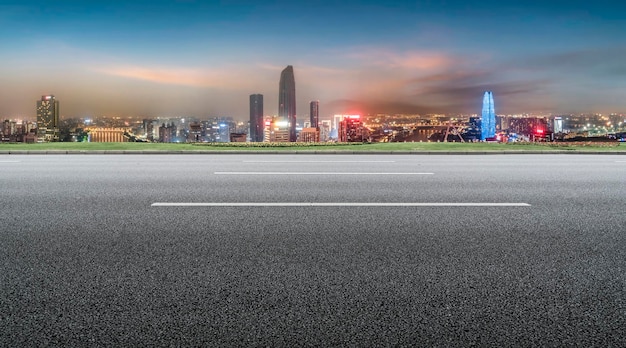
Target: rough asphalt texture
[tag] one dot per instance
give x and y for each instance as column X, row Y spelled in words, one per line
column 86, row 261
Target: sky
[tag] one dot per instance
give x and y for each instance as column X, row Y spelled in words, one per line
column 174, row 58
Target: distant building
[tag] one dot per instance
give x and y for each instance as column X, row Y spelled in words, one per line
column 8, row 130
column 351, row 129
column 223, row 133
column 12, row 131
column 533, row 128
column 473, row 130
column 149, row 129
column 167, row 133
column 48, row 118
column 218, row 129
column 107, row 134
column 287, row 100
column 325, row 127
column 337, row 119
column 238, row 137
column 558, row 124
column 195, row 132
column 256, row 117
column 277, row 130
column 488, row 121
column 314, row 114
column 309, row 135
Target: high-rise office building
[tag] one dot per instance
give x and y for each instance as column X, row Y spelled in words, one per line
column 488, row 121
column 256, row 117
column 287, row 100
column 315, row 113
column 48, row 118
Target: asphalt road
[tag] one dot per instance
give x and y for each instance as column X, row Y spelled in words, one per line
column 86, row 259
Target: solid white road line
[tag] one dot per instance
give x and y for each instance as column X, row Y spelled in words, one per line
column 319, row 161
column 10, row 161
column 313, row 173
column 335, row 204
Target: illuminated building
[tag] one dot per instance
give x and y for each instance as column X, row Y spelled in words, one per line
column 287, row 100
column 351, row 129
column 488, row 122
column 277, row 130
column 256, row 117
column 337, row 119
column 167, row 133
column 223, row 132
column 530, row 127
column 149, row 129
column 325, row 128
column 267, row 128
column 107, row 134
column 48, row 118
column 8, row 130
column 18, row 131
column 558, row 124
column 195, row 132
column 473, row 130
column 314, row 114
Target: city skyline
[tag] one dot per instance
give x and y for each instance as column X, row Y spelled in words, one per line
column 200, row 59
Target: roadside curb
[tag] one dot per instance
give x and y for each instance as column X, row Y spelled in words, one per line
column 203, row 152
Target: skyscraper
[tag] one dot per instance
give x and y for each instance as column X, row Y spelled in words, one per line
column 287, row 100
column 48, row 118
column 488, row 122
column 315, row 113
column 256, row 117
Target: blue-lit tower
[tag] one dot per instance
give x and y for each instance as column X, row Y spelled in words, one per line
column 488, row 122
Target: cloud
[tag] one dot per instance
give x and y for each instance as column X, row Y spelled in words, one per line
column 364, row 106
column 416, row 60
column 594, row 61
column 227, row 78
column 271, row 67
column 186, row 77
column 438, row 82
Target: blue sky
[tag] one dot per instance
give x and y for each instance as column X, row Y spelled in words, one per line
column 204, row 58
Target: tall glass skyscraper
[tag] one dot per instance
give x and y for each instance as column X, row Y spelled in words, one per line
column 287, row 100
column 256, row 117
column 48, row 118
column 315, row 113
column 488, row 122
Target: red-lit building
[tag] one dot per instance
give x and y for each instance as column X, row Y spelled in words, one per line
column 534, row 128
column 351, row 129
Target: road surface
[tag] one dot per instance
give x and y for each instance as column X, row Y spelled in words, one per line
column 323, row 250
